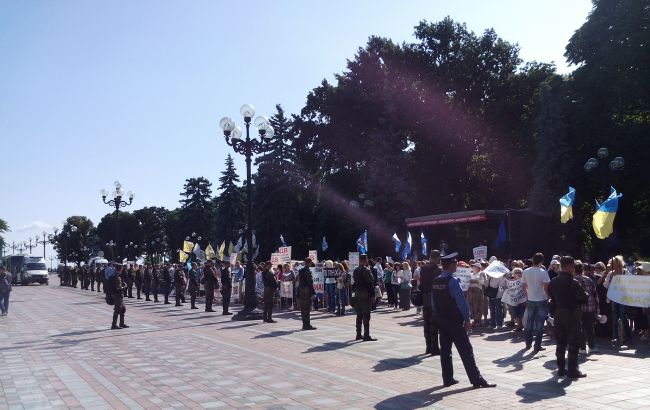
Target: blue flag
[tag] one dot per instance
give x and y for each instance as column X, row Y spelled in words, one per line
column 362, row 243
column 282, row 241
column 397, row 242
column 407, row 247
column 324, row 244
column 603, row 219
column 566, row 205
column 423, row 240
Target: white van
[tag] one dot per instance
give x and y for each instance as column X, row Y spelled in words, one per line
column 35, row 270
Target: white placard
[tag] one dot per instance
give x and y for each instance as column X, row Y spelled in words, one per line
column 285, row 254
column 464, row 274
column 514, row 294
column 480, row 252
column 286, row 289
column 630, row 290
column 318, row 277
column 313, row 255
column 496, row 269
column 233, row 258
column 275, row 259
column 389, row 259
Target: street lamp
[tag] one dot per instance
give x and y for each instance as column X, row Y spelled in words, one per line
column 117, row 203
column 46, row 239
column 248, row 147
column 30, row 246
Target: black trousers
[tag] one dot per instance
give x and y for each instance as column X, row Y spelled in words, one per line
column 226, row 293
column 138, row 289
column 129, row 284
column 92, row 283
column 193, row 297
column 99, row 285
column 363, row 317
column 166, row 291
column 454, row 333
column 119, row 309
column 268, row 310
column 209, row 296
column 154, row 290
column 306, row 319
column 567, row 328
column 587, row 336
column 430, row 328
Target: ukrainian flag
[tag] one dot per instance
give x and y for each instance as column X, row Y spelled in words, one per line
column 566, row 205
column 603, row 221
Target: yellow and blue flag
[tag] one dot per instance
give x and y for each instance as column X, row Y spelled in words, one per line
column 566, row 205
column 603, row 221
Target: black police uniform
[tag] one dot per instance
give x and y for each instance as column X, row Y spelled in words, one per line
column 566, row 297
column 167, row 284
column 138, row 282
column 146, row 283
column 270, row 286
column 155, row 283
column 226, row 289
column 114, row 286
column 427, row 274
column 305, row 292
column 364, row 294
column 209, row 281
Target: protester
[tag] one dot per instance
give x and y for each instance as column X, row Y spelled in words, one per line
column 619, row 312
column 405, row 287
column 5, row 290
column 475, row 296
column 342, row 284
column 364, row 292
column 589, row 309
column 270, row 287
column 396, row 281
column 535, row 281
column 567, row 296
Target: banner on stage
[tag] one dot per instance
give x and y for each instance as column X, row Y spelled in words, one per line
column 496, row 269
column 630, row 290
column 285, row 254
column 233, row 258
column 514, row 294
column 286, row 289
column 313, row 255
column 275, row 259
column 464, row 275
column 480, row 252
column 318, row 276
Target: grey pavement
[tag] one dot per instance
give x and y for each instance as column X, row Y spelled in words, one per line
column 56, row 351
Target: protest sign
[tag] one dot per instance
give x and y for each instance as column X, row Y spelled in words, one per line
column 318, row 276
column 275, row 259
column 286, row 289
column 285, row 254
column 330, row 272
column 233, row 258
column 496, row 269
column 480, row 252
column 236, row 291
column 464, row 275
column 630, row 290
column 514, row 294
column 389, row 259
column 313, row 255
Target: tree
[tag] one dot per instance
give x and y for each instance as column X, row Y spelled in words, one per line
column 153, row 227
column 75, row 244
column 129, row 231
column 229, row 205
column 197, row 209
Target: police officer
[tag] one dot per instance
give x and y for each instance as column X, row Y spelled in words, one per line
column 114, row 286
column 91, row 277
column 146, row 282
column 179, row 282
column 566, row 297
column 130, row 280
column 305, row 293
column 270, row 286
column 453, row 324
column 364, row 295
column 209, row 280
column 193, row 284
column 427, row 274
column 166, row 283
column 155, row 282
column 99, row 277
column 226, row 287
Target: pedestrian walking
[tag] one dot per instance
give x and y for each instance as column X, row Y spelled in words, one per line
column 5, row 290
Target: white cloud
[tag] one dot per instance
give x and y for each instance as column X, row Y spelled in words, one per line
column 36, row 225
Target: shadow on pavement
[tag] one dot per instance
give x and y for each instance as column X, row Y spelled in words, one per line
column 398, row 363
column 419, row 399
column 276, row 333
column 329, row 346
column 79, row 333
column 548, row 389
column 517, row 360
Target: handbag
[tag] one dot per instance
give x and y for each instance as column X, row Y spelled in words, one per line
column 416, row 298
column 490, row 292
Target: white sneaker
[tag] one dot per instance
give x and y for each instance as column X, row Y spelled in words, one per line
column 582, row 351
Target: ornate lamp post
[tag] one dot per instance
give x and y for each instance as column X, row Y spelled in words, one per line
column 30, row 246
column 21, row 248
column 117, row 203
column 248, row 147
column 46, row 240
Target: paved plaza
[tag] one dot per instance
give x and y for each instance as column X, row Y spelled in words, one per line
column 56, row 352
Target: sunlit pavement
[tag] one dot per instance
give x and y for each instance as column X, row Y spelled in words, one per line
column 56, row 351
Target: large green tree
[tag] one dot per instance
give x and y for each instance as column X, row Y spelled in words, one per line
column 153, row 228
column 75, row 240
column 129, row 232
column 197, row 209
column 229, row 205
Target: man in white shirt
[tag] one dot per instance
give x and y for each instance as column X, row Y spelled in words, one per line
column 535, row 282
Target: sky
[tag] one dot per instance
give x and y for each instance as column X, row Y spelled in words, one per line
column 96, row 91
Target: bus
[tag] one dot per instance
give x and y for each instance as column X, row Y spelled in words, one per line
column 26, row 269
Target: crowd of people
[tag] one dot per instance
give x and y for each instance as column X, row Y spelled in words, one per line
column 566, row 298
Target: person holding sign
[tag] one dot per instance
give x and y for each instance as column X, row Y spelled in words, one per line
column 305, row 294
column 364, row 293
column 567, row 296
column 453, row 322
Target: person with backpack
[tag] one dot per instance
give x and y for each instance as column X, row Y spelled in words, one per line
column 5, row 290
column 114, row 295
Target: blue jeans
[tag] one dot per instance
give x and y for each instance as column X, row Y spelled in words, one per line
column 4, row 302
column 620, row 312
column 496, row 312
column 536, row 314
column 341, row 300
column 330, row 288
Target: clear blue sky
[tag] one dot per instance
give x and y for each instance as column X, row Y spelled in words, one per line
column 94, row 91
